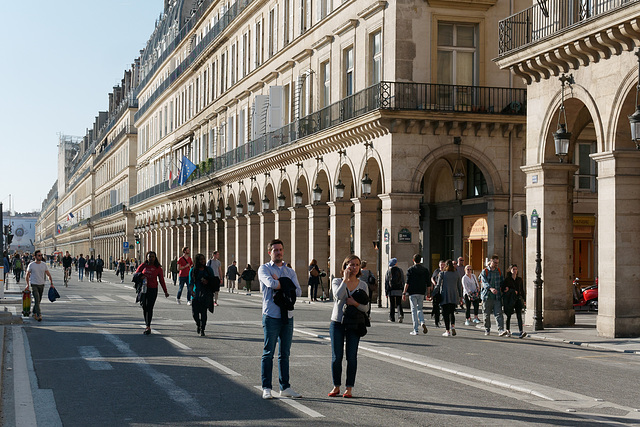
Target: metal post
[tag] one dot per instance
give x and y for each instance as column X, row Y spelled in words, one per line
column 379, row 236
column 538, row 325
column 1, row 231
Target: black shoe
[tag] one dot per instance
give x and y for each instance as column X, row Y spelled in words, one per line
column 198, row 330
column 202, row 333
column 147, row 332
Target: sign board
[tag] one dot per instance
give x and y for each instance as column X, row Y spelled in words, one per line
column 534, row 219
column 125, row 245
column 125, row 250
column 386, row 235
column 404, row 235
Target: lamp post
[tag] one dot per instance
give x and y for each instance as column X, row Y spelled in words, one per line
column 251, row 206
column 281, row 200
column 317, row 194
column 538, row 325
column 634, row 119
column 265, row 204
column 227, row 210
column 562, row 136
column 339, row 189
column 239, row 208
column 297, row 197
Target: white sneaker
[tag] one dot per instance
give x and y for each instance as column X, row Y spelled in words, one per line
column 508, row 333
column 446, row 334
column 178, row 300
column 413, row 333
column 467, row 323
column 476, row 320
column 289, row 392
column 502, row 333
column 266, row 393
column 189, row 302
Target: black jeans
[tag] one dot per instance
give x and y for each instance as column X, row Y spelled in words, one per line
column 147, row 307
column 199, row 312
column 393, row 302
column 467, row 304
column 99, row 276
column 448, row 313
column 518, row 317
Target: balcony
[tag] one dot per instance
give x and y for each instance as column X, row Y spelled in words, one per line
column 385, row 96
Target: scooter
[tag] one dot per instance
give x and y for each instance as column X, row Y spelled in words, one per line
column 587, row 297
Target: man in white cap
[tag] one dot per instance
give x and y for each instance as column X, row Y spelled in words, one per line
column 394, row 285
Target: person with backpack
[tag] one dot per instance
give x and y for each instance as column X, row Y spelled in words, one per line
column 91, row 267
column 99, row 269
column 232, row 276
column 314, row 280
column 17, row 267
column 394, row 285
column 81, row 265
column 492, row 279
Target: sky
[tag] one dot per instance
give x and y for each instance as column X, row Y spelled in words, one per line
column 60, row 60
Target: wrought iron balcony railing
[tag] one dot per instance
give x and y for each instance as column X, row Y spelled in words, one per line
column 394, row 96
column 533, row 24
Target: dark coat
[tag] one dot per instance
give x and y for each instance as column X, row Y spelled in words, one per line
column 285, row 297
column 202, row 293
column 354, row 319
column 512, row 301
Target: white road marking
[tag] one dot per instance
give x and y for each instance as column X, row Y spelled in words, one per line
column 177, row 343
column 221, row 367
column 128, row 298
column 104, row 298
column 296, row 404
column 94, row 359
column 77, row 298
column 165, row 382
column 25, row 412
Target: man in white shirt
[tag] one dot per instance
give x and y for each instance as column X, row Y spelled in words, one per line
column 36, row 272
column 216, row 266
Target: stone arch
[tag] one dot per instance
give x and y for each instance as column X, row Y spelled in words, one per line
column 623, row 101
column 285, row 188
column 303, row 186
column 322, row 180
column 345, row 174
column 270, row 194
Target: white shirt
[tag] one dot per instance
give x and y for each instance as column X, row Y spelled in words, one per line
column 37, row 271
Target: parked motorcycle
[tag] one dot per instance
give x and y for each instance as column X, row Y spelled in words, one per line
column 587, row 297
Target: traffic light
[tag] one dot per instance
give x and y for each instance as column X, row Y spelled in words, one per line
column 9, row 238
column 137, row 239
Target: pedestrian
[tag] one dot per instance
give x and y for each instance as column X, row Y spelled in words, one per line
column 435, row 297
column 152, row 270
column 460, row 267
column 394, row 285
column 314, row 280
column 248, row 275
column 17, row 267
column 173, row 268
column 342, row 334
column 36, row 272
column 203, row 283
column 491, row 279
column 6, row 264
column 91, row 267
column 75, row 263
column 450, row 289
column 370, row 279
column 215, row 265
column 416, row 288
column 232, row 276
column 513, row 298
column 185, row 263
column 277, row 323
column 99, row 268
column 81, row 265
column 122, row 266
column 471, row 291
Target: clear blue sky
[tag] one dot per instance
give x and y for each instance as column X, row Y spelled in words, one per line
column 60, row 60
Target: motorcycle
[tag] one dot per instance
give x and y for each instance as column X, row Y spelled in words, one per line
column 587, row 297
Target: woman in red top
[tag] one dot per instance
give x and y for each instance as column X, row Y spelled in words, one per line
column 152, row 270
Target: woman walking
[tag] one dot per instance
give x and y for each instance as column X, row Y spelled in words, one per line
column 202, row 282
column 314, row 280
column 122, row 266
column 248, row 275
column 471, row 294
column 173, row 268
column 17, row 267
column 152, row 270
column 343, row 290
column 512, row 298
column 451, row 293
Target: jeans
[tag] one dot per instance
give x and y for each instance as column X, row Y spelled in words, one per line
column 393, row 302
column 38, row 290
column 489, row 306
column 174, row 276
column 199, row 313
column 467, row 303
column 184, row 281
column 518, row 317
column 276, row 331
column 314, row 291
column 91, row 275
column 80, row 273
column 448, row 314
column 99, row 276
column 147, row 307
column 339, row 334
column 416, row 310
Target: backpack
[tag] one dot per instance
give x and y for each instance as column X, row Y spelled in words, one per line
column 371, row 280
column 17, row 265
column 396, row 278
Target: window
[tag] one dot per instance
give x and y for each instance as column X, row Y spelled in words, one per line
column 233, row 61
column 476, row 183
column 348, row 72
column 259, row 46
column 305, row 15
column 326, row 84
column 223, row 72
column 587, row 172
column 285, row 22
column 376, row 57
column 245, row 54
column 273, row 31
column 324, row 8
column 457, row 63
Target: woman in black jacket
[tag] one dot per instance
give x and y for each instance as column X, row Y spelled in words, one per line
column 203, row 283
column 513, row 298
column 248, row 275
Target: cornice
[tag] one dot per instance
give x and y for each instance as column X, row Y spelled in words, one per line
column 482, row 5
column 372, row 9
column 346, row 26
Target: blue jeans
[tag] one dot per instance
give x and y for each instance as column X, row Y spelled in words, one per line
column 80, row 273
column 416, row 310
column 184, row 281
column 91, row 275
column 339, row 334
column 275, row 331
column 489, row 306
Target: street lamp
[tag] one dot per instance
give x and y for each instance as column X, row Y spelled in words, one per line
column 192, row 218
column 339, row 189
column 239, row 208
column 366, row 181
column 562, row 137
column 218, row 212
column 251, row 206
column 634, row 119
column 281, row 200
column 209, row 216
column 317, row 194
column 265, row 203
column 458, row 170
column 227, row 210
column 297, row 197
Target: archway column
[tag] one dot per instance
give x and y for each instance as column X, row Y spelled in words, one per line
column 366, row 230
column 241, row 242
column 400, row 211
column 340, row 226
column 282, row 230
column 318, row 236
column 230, row 242
column 550, row 193
column 253, row 241
column 267, row 233
column 299, row 251
column 618, row 243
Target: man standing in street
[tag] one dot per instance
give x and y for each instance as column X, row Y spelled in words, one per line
column 416, row 289
column 435, row 296
column 460, row 267
column 491, row 278
column 232, row 275
column 394, row 285
column 184, row 265
column 81, row 264
column 276, row 329
column 215, row 264
column 36, row 272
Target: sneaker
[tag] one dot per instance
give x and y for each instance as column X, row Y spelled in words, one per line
column 400, row 319
column 487, row 333
column 390, row 320
column 189, row 302
column 266, row 393
column 453, row 331
column 523, row 334
column 508, row 333
column 413, row 333
column 178, row 300
column 215, row 304
column 476, row 320
column 467, row 323
column 446, row 334
column 289, row 392
column 424, row 328
column 502, row 333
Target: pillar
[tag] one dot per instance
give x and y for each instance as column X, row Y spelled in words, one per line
column 241, row 241
column 400, row 228
column 340, row 238
column 282, row 230
column 319, row 236
column 267, row 233
column 299, row 252
column 253, row 241
column 366, row 216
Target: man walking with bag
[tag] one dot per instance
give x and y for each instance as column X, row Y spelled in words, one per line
column 394, row 285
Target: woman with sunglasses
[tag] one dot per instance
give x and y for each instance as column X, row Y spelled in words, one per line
column 152, row 271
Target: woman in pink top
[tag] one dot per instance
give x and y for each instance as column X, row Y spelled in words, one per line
column 152, row 270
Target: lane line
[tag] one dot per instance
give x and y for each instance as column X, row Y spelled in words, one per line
column 165, row 382
column 176, row 343
column 24, row 410
column 104, row 298
column 94, row 359
column 296, row 404
column 221, row 367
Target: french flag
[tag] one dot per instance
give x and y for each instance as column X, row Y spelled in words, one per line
column 69, row 216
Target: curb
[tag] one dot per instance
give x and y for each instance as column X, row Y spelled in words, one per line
column 533, row 335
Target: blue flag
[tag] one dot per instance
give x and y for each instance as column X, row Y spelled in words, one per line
column 186, row 170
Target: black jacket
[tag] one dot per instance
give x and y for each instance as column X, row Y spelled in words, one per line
column 418, row 278
column 354, row 319
column 285, row 297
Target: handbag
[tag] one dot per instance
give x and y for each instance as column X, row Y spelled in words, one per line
column 53, row 294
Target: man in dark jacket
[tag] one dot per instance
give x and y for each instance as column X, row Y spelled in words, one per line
column 394, row 283
column 416, row 289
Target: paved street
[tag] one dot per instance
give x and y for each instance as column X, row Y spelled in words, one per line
column 88, row 362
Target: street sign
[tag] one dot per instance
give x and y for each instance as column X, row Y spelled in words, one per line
column 404, row 235
column 519, row 224
column 534, row 219
column 125, row 250
column 125, row 245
